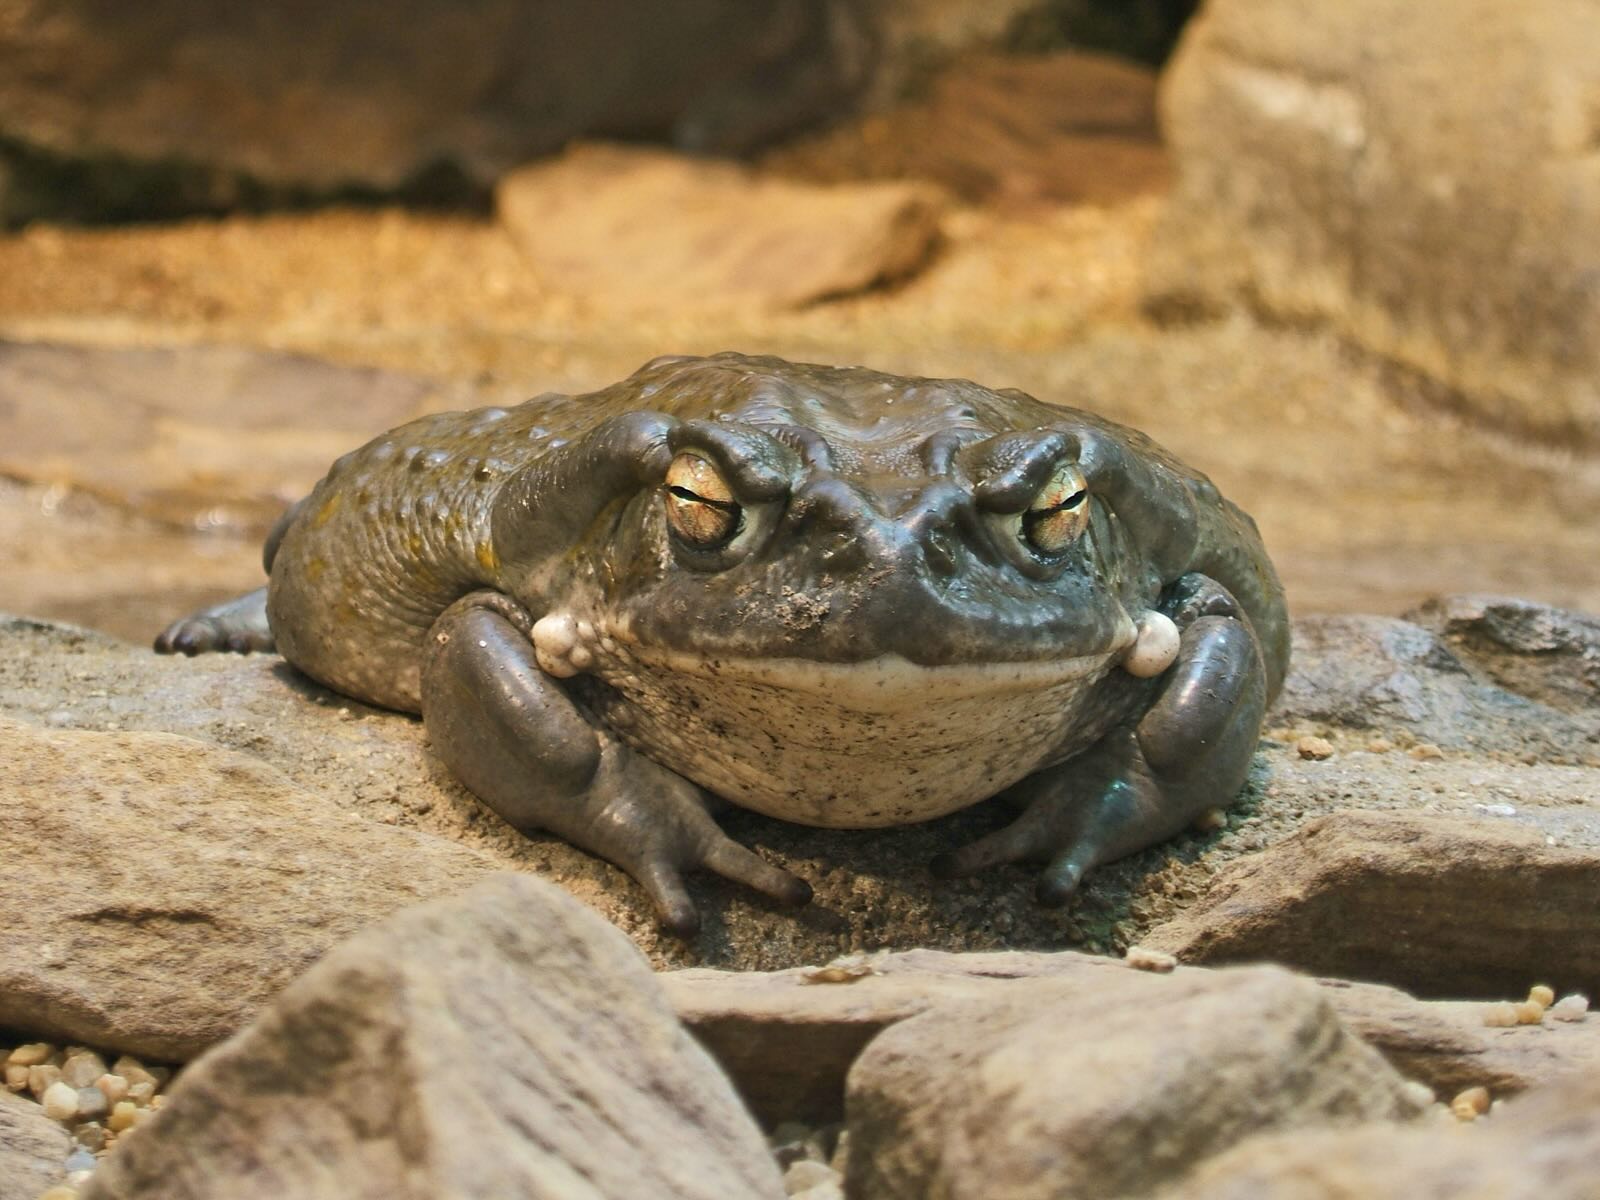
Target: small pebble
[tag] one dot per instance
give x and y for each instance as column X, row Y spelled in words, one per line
column 17, row 1076
column 80, row 1160
column 1470, row 1104
column 41, row 1077
column 82, row 1068
column 30, row 1055
column 60, row 1192
column 841, row 1154
column 1425, row 751
column 1570, row 1008
column 1316, row 748
column 123, row 1114
column 1501, row 1016
column 1142, row 958
column 807, row 1174
column 92, row 1103
column 1419, row 1094
column 1541, row 995
column 1379, row 745
column 143, row 1092
column 115, row 1087
column 1530, row 1012
column 91, row 1135
column 1211, row 820
column 133, row 1071
column 60, row 1101
column 822, row 1191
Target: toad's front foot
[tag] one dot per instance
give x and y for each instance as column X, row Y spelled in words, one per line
column 513, row 736
column 1144, row 782
column 238, row 625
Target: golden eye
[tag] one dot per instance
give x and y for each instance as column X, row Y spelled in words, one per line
column 1058, row 513
column 700, row 504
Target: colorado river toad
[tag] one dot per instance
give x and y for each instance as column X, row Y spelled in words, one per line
column 831, row 595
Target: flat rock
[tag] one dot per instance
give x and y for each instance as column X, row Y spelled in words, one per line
column 1438, row 905
column 1439, row 207
column 1062, row 1089
column 1489, row 674
column 33, row 1149
column 1543, row 1146
column 788, row 1038
column 160, row 889
column 588, row 222
column 504, row 1043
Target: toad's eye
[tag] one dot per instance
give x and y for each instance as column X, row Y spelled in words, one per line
column 700, row 506
column 1058, row 513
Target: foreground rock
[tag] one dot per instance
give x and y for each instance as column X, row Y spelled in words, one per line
column 788, row 1038
column 1541, row 1147
column 33, row 1149
column 506, row 1043
column 1452, row 228
column 1437, row 905
column 1111, row 1090
column 159, row 890
column 588, row 223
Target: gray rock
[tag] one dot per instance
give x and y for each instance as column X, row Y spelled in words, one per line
column 166, row 887
column 788, row 1038
column 1469, row 672
column 504, row 1043
column 1422, row 179
column 1438, row 905
column 1062, row 1089
column 1543, row 1146
column 33, row 1149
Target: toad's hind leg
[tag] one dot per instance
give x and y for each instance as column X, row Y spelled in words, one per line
column 513, row 736
column 1146, row 781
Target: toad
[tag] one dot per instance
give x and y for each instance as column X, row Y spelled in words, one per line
column 830, row 595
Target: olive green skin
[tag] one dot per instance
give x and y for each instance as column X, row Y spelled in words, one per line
column 878, row 525
column 405, row 525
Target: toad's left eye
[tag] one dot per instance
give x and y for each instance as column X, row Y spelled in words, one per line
column 1058, row 513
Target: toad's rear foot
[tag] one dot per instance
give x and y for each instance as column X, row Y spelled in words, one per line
column 238, row 625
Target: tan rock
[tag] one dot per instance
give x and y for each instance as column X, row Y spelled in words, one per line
column 589, row 222
column 1542, row 1146
column 1423, row 179
column 33, row 1149
column 1062, row 1089
column 186, row 885
column 1439, row 905
column 506, row 1042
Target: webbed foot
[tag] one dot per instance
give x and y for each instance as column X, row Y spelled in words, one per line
column 238, row 625
column 1146, row 781
column 514, row 737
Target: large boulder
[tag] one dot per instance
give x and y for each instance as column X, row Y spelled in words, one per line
column 1111, row 1088
column 309, row 96
column 506, row 1043
column 1425, row 179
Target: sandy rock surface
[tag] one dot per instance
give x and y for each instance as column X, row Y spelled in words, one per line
column 1334, row 164
column 589, row 221
column 165, row 888
column 506, row 1042
column 1111, row 1090
column 1539, row 1147
column 33, row 1149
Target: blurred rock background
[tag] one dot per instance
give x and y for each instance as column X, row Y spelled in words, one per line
column 1284, row 239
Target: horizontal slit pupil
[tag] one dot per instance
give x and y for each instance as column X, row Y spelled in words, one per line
column 683, row 493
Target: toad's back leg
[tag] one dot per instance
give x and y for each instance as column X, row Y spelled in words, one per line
column 238, row 625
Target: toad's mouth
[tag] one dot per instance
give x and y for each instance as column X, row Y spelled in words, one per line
column 883, row 741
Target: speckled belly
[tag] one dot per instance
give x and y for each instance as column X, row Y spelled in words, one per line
column 858, row 745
